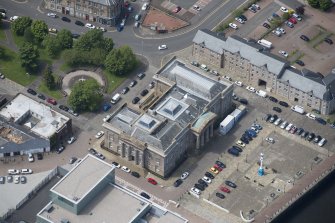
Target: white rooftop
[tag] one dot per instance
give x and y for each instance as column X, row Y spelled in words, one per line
column 46, row 121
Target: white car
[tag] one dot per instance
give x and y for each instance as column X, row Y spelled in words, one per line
column 227, row 78
column 249, row 88
column 17, row 179
column 269, row 140
column 214, row 72
column 283, row 53
column 184, row 175
column 107, row 118
column 240, row 143
column 233, row 25
column 196, row 7
column 99, row 134
column 283, row 9
column 30, row 157
column 288, row 128
column 283, row 125
column 53, row 30
column 71, row 140
column 256, row 6
column 26, row 171
column 145, row 6
column 101, row 28
column 125, row 169
column 195, row 190
column 52, row 15
column 255, row 129
column 13, row 18
column 311, row 116
column 13, row 172
column 239, row 83
column 90, row 26
column 281, row 30
column 239, row 20
column 207, row 179
column 162, row 47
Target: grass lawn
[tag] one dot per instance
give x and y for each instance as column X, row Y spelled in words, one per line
column 113, row 81
column 56, row 94
column 2, row 34
column 11, row 67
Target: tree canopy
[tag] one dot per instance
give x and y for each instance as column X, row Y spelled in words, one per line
column 48, row 78
column 325, row 5
column 39, row 29
column 65, row 39
column 85, row 96
column 20, row 24
column 29, row 56
column 90, row 40
column 52, row 46
column 121, row 60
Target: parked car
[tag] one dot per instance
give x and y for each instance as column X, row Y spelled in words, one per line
column 23, row 179
column 221, row 164
column 90, row 26
column 321, row 121
column 225, row 189
column 283, row 9
column 52, row 15
column 317, row 139
column 100, row 156
column 39, row 156
column 243, row 17
column 31, row 91
column 267, row 117
column 63, row 107
column 293, row 20
column 266, row 25
column 144, row 92
column 277, row 122
column 251, row 89
column 145, row 195
column 214, row 170
column 304, row 134
column 66, row 19
column 238, row 83
column 220, row 195
column 2, row 180
column 115, row 164
column 240, row 20
column 230, row 184
column 177, row 9
column 243, row 101
column 283, row 125
column 79, row 23
column 30, row 157
column 283, row 53
column 52, row 101
column 270, row 140
column 299, row 131
column 125, row 169
column 26, row 171
column 239, row 143
column 305, row 38
column 328, row 40
column 92, row 151
column 195, row 63
column 177, row 182
column 152, row 85
column 135, row 174
column 237, row 148
column 289, row 24
column 293, row 129
column 141, row 75
column 211, row 176
column 277, row 109
column 283, row 103
column 72, row 160
column 311, row 116
column 195, row 190
column 133, row 83
column 273, row 99
column 99, row 134
column 273, row 118
column 135, row 100
column 252, row 9
column 310, row 137
column 233, row 25
column 202, row 182
column 71, row 140
column 60, row 149
column 162, row 47
column 207, row 179
column 199, row 186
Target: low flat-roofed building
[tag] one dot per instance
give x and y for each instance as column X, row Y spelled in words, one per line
column 37, row 118
column 177, row 115
column 88, row 194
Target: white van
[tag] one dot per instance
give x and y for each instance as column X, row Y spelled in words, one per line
column 261, row 93
column 13, row 172
column 116, row 98
column 322, row 142
column 204, row 67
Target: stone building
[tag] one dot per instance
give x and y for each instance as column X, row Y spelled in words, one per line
column 177, row 115
column 106, row 12
column 250, row 63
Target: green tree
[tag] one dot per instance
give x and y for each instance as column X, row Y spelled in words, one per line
column 20, row 24
column 29, row 56
column 96, row 56
column 65, row 39
column 314, row 3
column 92, row 39
column 85, row 96
column 325, row 5
column 300, row 10
column 109, row 44
column 120, row 60
column 285, row 16
column 2, row 52
column 52, row 46
column 39, row 29
column 28, row 35
column 48, row 78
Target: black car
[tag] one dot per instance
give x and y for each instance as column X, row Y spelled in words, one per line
column 220, row 164
column 238, row 148
column 310, row 137
column 133, row 83
column 75, row 35
column 144, row 92
column 135, row 174
column 273, row 99
column 115, row 163
column 141, row 75
column 329, row 41
column 305, row 38
column 135, row 100
column 66, row 19
column 31, row 91
column 79, row 23
column 177, row 182
column 299, row 131
column 125, row 90
column 195, row 63
column 199, row 186
column 268, row 117
column 299, row 62
column 63, row 107
column 266, row 25
column 243, row 101
column 321, row 121
column 276, row 109
column 220, row 195
column 317, row 139
column 39, row 156
column 244, row 140
column 283, row 103
column 201, row 181
column 92, row 151
column 230, row 184
column 304, row 134
column 73, row 160
column 252, row 9
column 208, row 174
column 145, row 195
column 60, row 149
column 41, row 96
column 247, row 136
column 244, row 18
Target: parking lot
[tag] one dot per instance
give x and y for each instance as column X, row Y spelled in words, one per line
column 285, row 161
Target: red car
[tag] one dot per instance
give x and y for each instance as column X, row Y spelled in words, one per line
column 292, row 20
column 218, row 167
column 177, row 9
column 225, row 189
column 52, row 101
column 152, row 181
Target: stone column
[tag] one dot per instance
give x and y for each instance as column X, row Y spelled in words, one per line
column 202, row 141
column 136, row 159
column 197, row 146
column 211, row 132
column 123, row 151
column 207, row 134
column 129, row 149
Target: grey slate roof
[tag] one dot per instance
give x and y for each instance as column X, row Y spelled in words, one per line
column 106, row 2
column 37, row 143
column 248, row 50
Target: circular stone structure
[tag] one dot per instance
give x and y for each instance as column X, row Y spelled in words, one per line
column 79, row 75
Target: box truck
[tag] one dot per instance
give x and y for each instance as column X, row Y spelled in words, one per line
column 227, row 124
column 298, row 109
column 265, row 43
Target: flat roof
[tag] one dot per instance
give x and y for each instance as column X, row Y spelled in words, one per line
column 112, row 202
column 36, row 116
column 77, row 183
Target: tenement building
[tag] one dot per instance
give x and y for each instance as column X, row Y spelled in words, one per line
column 106, row 12
column 178, row 114
column 250, row 63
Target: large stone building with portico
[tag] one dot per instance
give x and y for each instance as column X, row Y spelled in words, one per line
column 178, row 114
